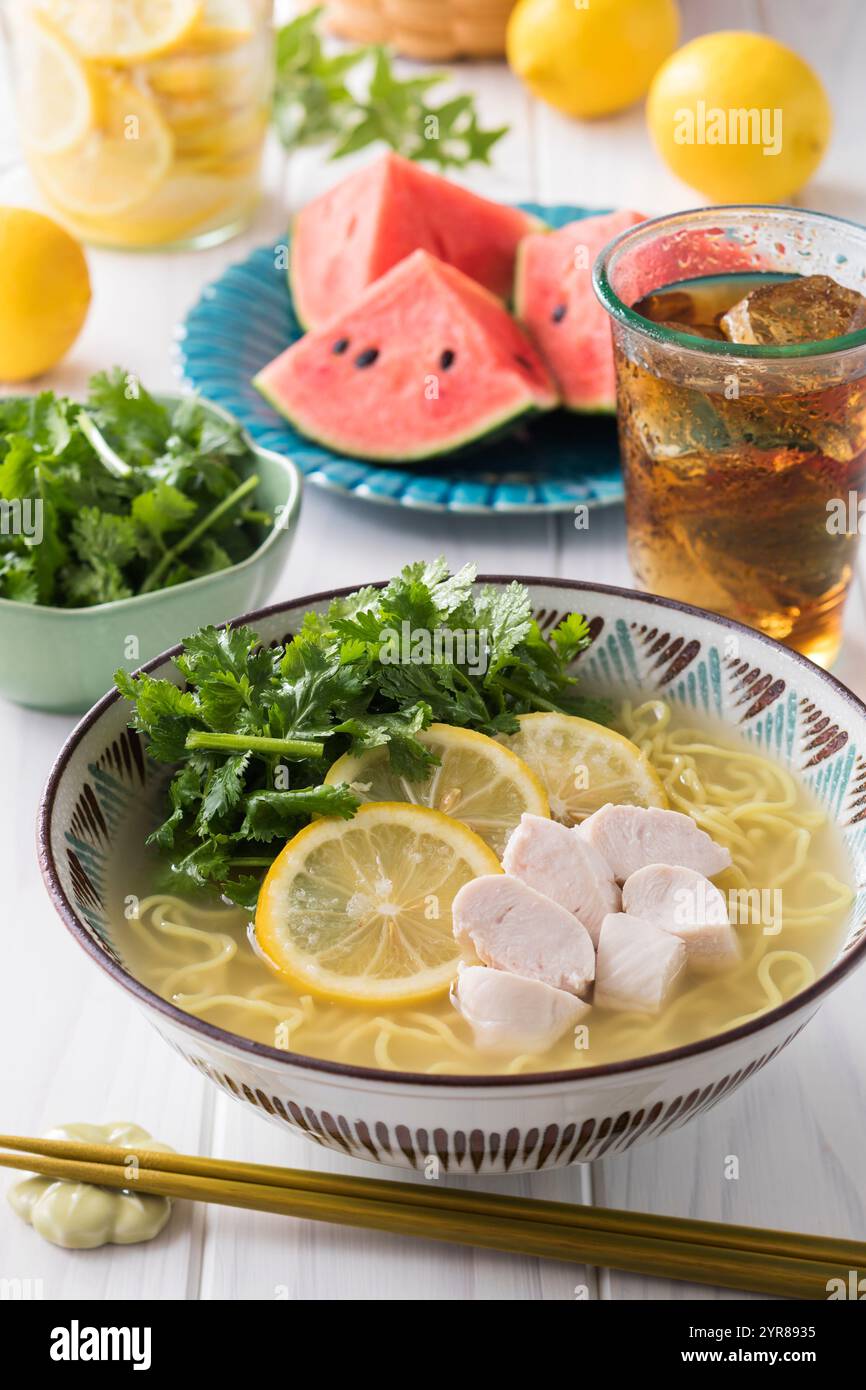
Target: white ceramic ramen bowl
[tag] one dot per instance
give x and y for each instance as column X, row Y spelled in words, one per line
column 96, row 798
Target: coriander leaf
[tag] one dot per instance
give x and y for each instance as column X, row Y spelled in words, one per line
column 162, row 509
column 212, row 650
column 18, row 471
column 102, row 538
column 426, row 572
column 184, row 792
column 362, row 601
column 18, row 579
column 202, row 452
column 314, row 681
column 135, row 424
column 191, row 424
column 243, row 891
column 206, row 863
column 505, row 615
column 98, row 582
column 51, row 553
column 409, row 600
column 163, row 712
column 223, row 699
column 408, row 756
column 452, row 594
column 362, row 629
column 277, row 814
column 571, row 636
column 451, row 696
column 48, row 424
column 224, row 790
column 353, row 650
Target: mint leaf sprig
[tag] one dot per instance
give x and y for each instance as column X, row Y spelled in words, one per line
column 315, row 103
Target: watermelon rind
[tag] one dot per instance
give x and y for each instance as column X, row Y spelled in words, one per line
column 486, row 432
column 290, row 277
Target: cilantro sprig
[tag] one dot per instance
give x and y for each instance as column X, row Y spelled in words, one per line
column 353, row 99
column 254, row 729
column 120, row 496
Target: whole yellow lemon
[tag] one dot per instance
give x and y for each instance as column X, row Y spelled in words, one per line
column 590, row 57
column 44, row 293
column 739, row 117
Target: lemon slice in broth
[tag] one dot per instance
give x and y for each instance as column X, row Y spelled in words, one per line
column 360, row 910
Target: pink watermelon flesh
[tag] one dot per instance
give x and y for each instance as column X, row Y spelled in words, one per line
column 424, row 362
column 555, row 300
column 370, row 221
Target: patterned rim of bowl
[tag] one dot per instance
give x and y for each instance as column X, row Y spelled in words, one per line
column 67, row 912
column 206, row 354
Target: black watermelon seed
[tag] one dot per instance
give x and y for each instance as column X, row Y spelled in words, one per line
column 447, row 359
column 340, row 345
column 559, row 313
column 524, row 361
column 367, row 357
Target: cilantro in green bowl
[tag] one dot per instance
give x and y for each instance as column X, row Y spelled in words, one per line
column 125, row 521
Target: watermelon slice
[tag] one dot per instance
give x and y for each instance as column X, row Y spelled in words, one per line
column 424, row 362
column 554, row 298
column 356, row 231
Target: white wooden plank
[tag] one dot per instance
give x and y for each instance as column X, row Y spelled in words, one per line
column 789, row 1121
column 75, row 1048
column 833, row 41
column 248, row 1255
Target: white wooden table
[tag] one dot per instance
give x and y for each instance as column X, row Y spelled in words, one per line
column 73, row 1047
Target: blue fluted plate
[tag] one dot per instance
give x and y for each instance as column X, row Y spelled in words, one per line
column 246, row 317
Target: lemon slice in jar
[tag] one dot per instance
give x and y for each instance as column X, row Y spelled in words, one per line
column 54, row 91
column 124, row 157
column 177, row 210
column 230, row 78
column 124, row 31
column 477, row 781
column 583, row 765
column 223, row 24
column 360, row 910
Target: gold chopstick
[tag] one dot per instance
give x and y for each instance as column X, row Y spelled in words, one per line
column 779, row 1263
column 790, row 1244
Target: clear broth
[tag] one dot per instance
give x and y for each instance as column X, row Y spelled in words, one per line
column 206, row 962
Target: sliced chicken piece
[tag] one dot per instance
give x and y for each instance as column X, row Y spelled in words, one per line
column 637, row 966
column 510, row 1014
column 685, row 903
column 555, row 861
column 630, row 837
column 513, row 928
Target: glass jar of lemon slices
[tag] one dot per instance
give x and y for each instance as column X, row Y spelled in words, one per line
column 143, row 121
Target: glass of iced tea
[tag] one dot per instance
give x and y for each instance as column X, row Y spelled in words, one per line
column 740, row 342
